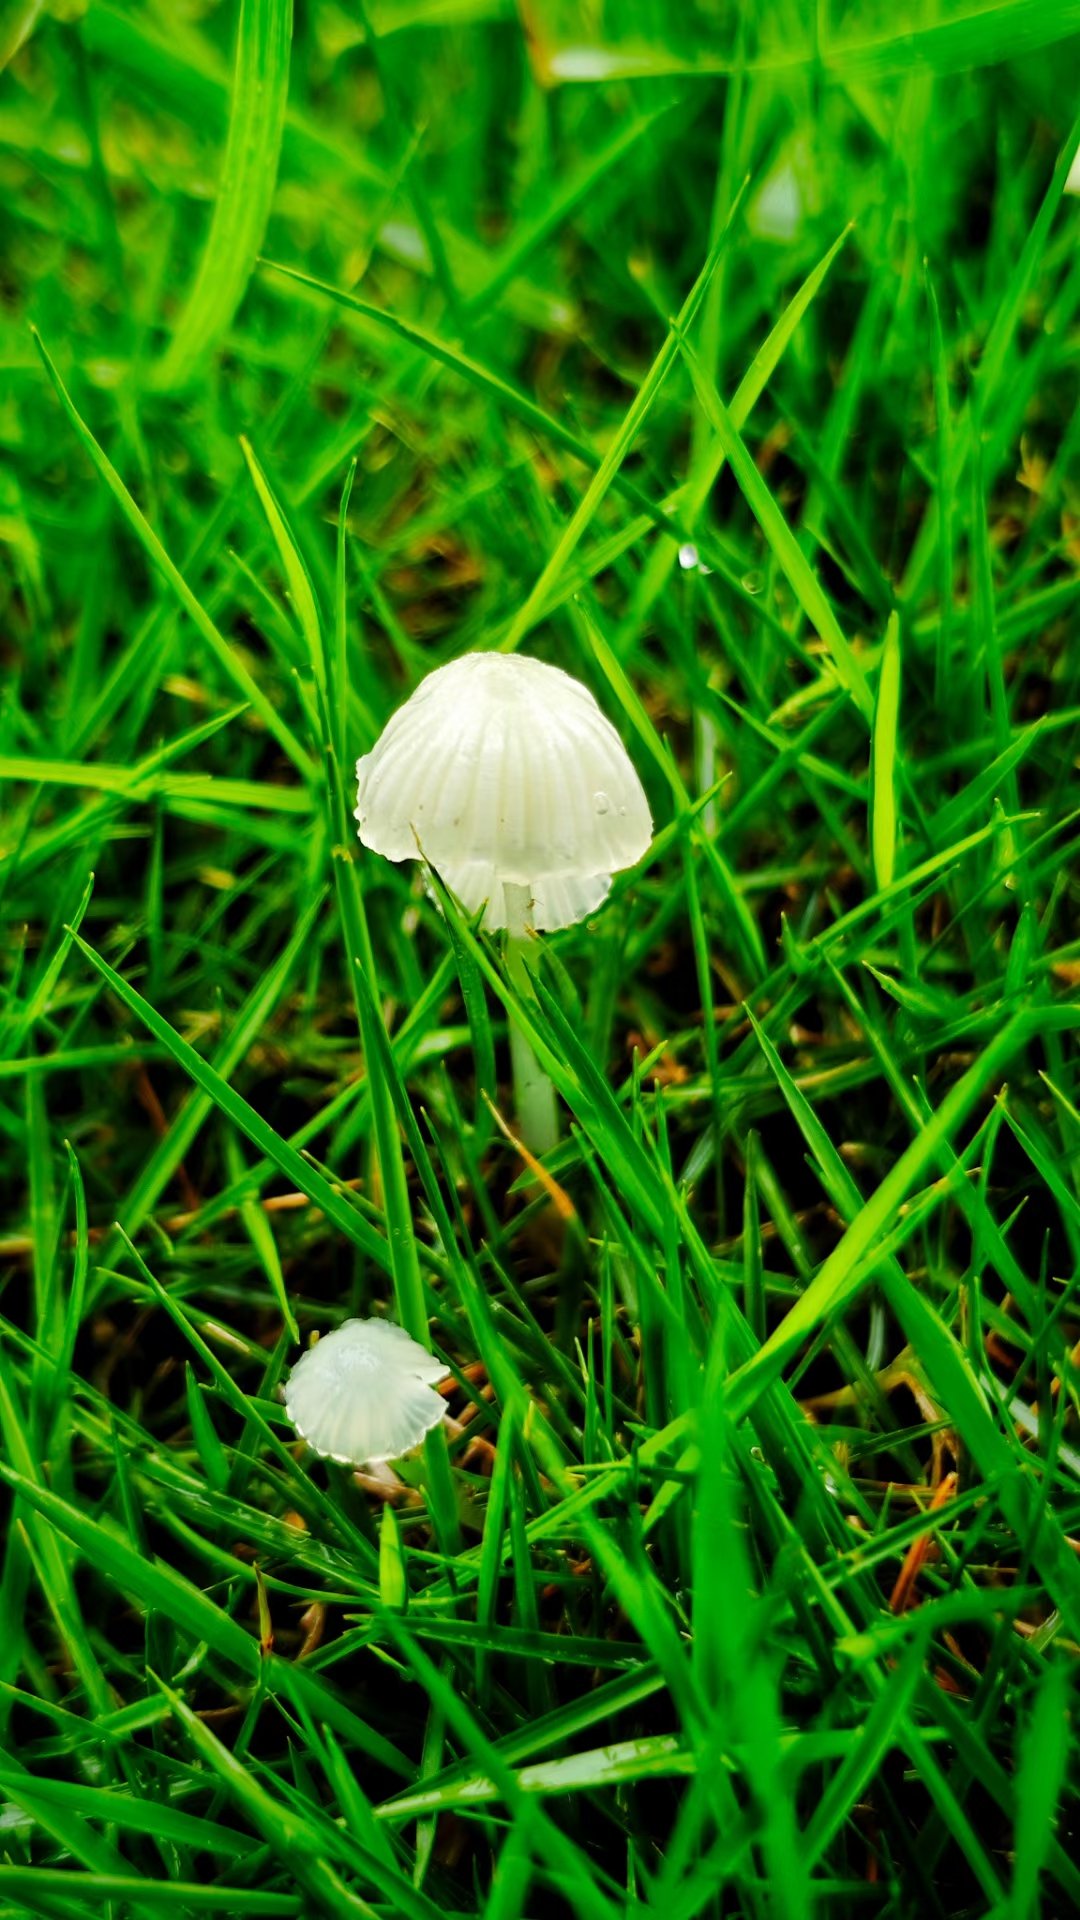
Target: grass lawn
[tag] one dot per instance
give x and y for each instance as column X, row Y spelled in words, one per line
column 725, row 356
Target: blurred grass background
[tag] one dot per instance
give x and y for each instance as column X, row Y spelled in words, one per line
column 745, row 1580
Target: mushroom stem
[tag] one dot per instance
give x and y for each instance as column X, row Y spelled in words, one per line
column 534, row 1095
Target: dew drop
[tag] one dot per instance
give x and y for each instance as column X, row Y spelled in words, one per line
column 688, row 557
column 601, row 803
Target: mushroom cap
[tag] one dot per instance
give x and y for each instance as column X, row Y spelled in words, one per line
column 363, row 1394
column 502, row 772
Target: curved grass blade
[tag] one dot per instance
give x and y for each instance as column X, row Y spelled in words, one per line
column 169, row 1896
column 248, row 178
column 136, row 1815
column 653, row 1757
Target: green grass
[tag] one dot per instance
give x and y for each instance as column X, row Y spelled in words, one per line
column 745, row 1582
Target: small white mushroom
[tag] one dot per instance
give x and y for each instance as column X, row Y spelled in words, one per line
column 514, row 785
column 505, row 776
column 363, row 1394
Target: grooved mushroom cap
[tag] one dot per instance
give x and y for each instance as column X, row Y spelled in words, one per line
column 363, row 1394
column 507, row 775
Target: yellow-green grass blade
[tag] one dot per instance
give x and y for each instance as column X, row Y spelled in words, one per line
column 883, row 750
column 134, row 785
column 246, row 189
column 299, row 580
column 655, row 1757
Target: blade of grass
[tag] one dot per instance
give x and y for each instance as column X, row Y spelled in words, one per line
column 883, row 750
column 229, row 661
column 622, row 441
column 1040, row 1780
column 279, row 1152
column 169, row 1896
column 782, row 542
column 245, row 191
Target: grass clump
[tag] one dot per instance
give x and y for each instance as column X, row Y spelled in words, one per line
column 730, row 365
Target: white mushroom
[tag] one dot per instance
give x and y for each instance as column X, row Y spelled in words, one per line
column 363, row 1394
column 518, row 791
column 505, row 776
